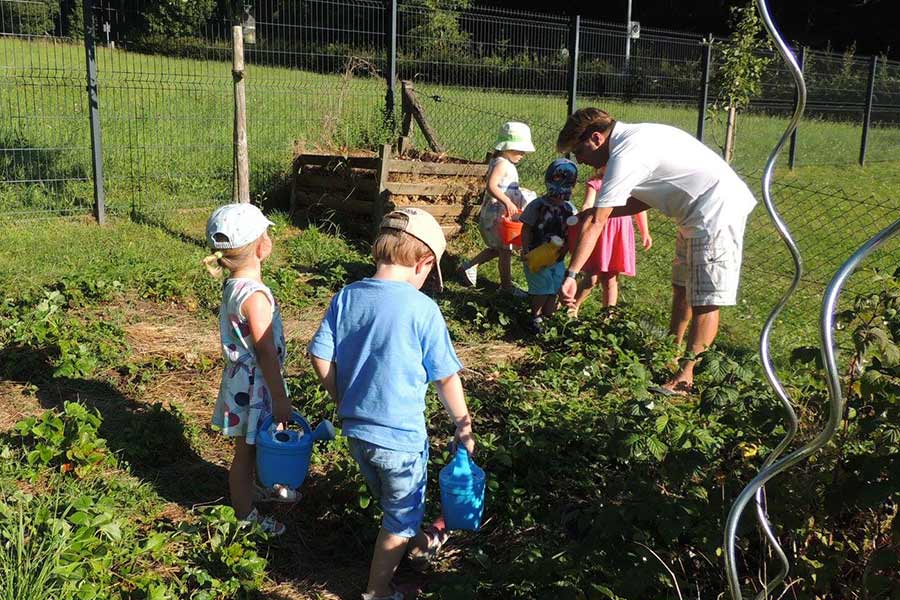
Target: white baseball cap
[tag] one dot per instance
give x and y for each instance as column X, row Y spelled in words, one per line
column 514, row 136
column 235, row 226
column 424, row 227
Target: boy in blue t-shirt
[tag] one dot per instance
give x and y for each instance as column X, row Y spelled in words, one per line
column 381, row 343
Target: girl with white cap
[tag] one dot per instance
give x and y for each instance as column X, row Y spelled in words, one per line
column 502, row 198
column 253, row 347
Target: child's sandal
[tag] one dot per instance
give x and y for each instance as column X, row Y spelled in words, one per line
column 420, row 560
column 277, row 493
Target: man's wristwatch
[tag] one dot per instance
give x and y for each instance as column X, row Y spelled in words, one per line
column 576, row 275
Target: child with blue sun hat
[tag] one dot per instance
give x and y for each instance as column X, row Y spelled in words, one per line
column 544, row 222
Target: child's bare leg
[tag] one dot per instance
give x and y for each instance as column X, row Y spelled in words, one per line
column 389, row 551
column 610, row 283
column 240, row 477
column 549, row 306
column 537, row 303
column 482, row 257
column 505, row 266
column 584, row 290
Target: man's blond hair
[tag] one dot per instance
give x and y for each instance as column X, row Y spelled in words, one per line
column 581, row 124
column 395, row 247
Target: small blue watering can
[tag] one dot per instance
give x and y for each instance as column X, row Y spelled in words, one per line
column 282, row 457
column 462, row 492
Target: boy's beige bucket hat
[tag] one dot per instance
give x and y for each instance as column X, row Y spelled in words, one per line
column 514, row 136
column 424, row 227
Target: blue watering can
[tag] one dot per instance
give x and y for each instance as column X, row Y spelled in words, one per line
column 282, row 457
column 462, row 492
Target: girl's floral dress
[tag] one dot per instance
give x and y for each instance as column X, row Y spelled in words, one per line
column 244, row 399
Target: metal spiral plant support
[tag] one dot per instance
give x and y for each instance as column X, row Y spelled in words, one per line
column 772, row 466
column 791, row 421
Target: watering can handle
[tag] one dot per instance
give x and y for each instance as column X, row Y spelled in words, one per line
column 270, row 424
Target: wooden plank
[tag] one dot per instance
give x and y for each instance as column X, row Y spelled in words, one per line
column 429, row 189
column 325, row 160
column 432, row 168
column 445, row 210
column 328, row 183
column 351, row 205
column 451, row 230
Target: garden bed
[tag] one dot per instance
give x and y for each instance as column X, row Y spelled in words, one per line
column 363, row 183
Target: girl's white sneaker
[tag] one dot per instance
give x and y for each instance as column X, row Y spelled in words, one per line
column 267, row 524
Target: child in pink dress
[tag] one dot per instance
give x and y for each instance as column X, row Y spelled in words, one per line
column 614, row 253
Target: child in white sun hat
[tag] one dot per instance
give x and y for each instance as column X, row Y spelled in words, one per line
column 253, row 347
column 502, row 198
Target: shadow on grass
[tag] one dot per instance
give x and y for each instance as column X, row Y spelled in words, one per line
column 164, row 226
column 152, row 439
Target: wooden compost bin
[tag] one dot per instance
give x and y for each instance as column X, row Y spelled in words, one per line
column 372, row 185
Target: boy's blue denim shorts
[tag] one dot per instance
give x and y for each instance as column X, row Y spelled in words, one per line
column 397, row 479
column 547, row 281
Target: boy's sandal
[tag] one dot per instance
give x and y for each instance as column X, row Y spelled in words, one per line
column 395, row 596
column 269, row 525
column 420, row 560
column 277, row 493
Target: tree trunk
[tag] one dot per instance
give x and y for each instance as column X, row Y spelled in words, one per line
column 729, row 134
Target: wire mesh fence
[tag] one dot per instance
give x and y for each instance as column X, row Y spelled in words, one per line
column 317, row 79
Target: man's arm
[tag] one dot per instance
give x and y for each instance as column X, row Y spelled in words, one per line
column 592, row 225
column 633, row 207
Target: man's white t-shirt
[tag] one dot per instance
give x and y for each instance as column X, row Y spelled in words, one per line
column 673, row 172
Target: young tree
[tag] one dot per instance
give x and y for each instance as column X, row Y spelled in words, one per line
column 744, row 58
column 438, row 35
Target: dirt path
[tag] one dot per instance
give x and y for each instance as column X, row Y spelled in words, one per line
column 176, row 357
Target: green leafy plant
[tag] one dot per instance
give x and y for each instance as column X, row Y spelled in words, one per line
column 67, row 440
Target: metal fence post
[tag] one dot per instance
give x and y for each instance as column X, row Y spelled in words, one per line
column 90, row 54
column 391, row 47
column 870, row 94
column 574, row 39
column 792, row 150
column 704, row 86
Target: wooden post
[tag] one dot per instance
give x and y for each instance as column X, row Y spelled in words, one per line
column 383, row 171
column 241, row 159
column 412, row 103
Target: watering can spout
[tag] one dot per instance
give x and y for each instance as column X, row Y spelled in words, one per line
column 324, row 431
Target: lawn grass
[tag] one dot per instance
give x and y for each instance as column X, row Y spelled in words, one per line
column 167, row 124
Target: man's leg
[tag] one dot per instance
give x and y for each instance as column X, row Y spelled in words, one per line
column 704, row 326
column 681, row 313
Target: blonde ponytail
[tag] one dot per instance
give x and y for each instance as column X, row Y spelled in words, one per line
column 213, row 264
column 230, row 259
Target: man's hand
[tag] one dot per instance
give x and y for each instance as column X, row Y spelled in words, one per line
column 567, row 291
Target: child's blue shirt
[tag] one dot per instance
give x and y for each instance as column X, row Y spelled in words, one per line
column 388, row 341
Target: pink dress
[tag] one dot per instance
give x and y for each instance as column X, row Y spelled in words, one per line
column 614, row 252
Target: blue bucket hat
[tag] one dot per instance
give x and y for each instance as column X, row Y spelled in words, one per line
column 560, row 177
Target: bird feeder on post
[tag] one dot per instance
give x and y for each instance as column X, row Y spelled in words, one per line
column 248, row 25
